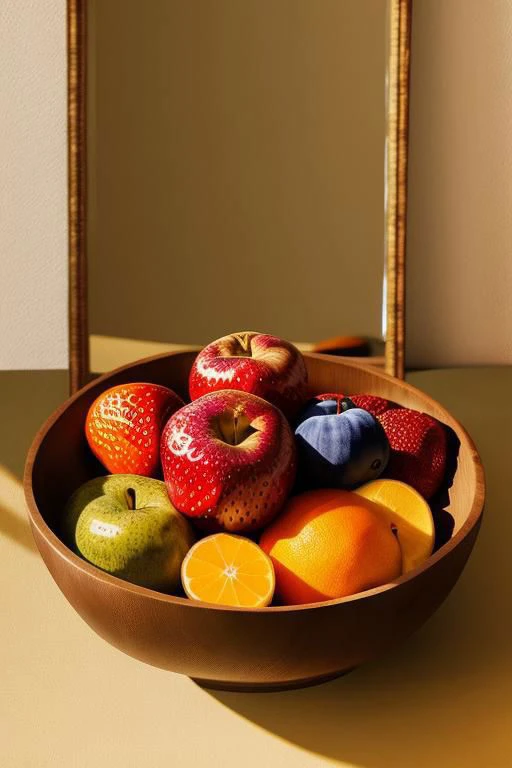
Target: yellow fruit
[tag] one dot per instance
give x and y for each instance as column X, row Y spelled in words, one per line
column 228, row 570
column 408, row 511
column 327, row 544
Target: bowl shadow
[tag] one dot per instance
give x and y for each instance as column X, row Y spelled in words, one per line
column 443, row 697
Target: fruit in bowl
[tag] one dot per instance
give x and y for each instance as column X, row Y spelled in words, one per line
column 417, row 441
column 229, row 460
column 339, row 446
column 126, row 525
column 418, row 449
column 408, row 514
column 328, row 544
column 372, row 403
column 276, row 646
column 223, row 569
column 253, row 362
column 124, row 426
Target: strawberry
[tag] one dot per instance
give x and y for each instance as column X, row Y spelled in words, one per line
column 374, row 404
column 371, row 403
column 418, row 449
column 124, row 426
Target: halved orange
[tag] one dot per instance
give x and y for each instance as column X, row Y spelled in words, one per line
column 409, row 513
column 224, row 569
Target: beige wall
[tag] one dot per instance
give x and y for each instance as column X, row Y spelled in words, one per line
column 237, row 170
column 459, row 255
column 33, row 188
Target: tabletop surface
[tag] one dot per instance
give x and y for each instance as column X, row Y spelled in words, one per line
column 442, row 699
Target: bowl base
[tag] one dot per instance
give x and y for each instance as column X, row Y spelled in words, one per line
column 220, row 685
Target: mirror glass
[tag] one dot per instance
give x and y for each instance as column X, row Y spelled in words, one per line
column 236, row 168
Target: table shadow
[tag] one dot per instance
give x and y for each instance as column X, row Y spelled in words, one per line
column 13, row 520
column 28, row 397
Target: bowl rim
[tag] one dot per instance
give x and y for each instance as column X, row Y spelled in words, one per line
column 63, row 551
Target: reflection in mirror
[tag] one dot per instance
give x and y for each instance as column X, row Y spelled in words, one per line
column 236, row 168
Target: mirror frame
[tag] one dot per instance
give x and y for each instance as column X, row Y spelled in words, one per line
column 400, row 12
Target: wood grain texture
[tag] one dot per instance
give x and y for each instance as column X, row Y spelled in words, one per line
column 396, row 185
column 77, row 170
column 398, row 142
column 232, row 647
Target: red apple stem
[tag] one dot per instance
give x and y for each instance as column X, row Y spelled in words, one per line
column 338, row 406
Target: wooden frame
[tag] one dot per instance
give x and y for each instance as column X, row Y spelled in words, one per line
column 77, row 189
column 398, row 139
column 396, row 188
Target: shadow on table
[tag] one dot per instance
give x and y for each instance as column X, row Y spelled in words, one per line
column 13, row 520
column 27, row 398
column 444, row 697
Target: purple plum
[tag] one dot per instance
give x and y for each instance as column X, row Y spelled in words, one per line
column 339, row 445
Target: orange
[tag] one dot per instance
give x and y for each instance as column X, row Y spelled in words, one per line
column 328, row 544
column 228, row 570
column 409, row 513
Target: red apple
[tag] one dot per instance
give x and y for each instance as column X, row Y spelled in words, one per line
column 229, row 460
column 124, row 426
column 253, row 362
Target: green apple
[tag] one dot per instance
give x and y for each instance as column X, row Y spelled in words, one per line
column 126, row 525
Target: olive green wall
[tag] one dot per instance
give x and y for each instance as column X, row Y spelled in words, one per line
column 236, row 167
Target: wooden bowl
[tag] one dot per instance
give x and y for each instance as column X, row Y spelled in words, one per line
column 233, row 648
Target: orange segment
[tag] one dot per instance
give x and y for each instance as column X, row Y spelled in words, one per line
column 228, row 570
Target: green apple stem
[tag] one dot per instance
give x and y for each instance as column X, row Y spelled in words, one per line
column 130, row 497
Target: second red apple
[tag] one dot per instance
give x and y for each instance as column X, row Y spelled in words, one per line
column 252, row 362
